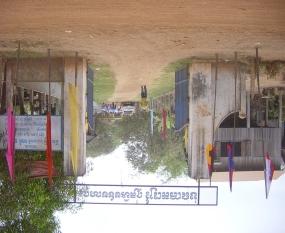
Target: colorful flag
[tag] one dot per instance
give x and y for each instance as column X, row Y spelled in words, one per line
column 49, row 148
column 10, row 142
column 210, row 156
column 268, row 174
column 74, row 126
column 230, row 163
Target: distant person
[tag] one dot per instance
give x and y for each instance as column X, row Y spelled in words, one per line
column 142, row 92
column 143, row 103
column 145, row 91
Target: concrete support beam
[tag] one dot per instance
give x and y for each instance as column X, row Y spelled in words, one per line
column 69, row 77
column 200, row 114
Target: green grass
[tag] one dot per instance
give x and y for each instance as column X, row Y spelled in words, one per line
column 166, row 82
column 104, row 83
column 23, row 54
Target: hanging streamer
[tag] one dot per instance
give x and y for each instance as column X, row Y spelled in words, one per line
column 230, row 163
column 210, row 158
column 268, row 174
column 49, row 148
column 74, row 123
column 48, row 127
column 10, row 142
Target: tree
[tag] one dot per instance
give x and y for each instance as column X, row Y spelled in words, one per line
column 28, row 205
column 147, row 152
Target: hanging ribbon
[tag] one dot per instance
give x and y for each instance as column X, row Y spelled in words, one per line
column 210, row 160
column 230, row 163
column 49, row 148
column 10, row 153
column 268, row 174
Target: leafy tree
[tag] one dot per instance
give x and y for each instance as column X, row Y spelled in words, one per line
column 28, row 205
column 147, row 152
column 107, row 139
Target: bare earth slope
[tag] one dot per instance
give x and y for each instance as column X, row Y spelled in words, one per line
column 138, row 38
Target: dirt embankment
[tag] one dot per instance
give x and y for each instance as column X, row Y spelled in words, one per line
column 139, row 38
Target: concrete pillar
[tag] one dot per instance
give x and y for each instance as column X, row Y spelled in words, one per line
column 69, row 77
column 200, row 118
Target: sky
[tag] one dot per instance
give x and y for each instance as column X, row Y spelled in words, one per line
column 244, row 210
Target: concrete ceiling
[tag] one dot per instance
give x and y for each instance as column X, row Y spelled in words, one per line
column 139, row 38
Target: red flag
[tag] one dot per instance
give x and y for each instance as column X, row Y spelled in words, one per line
column 268, row 174
column 230, row 163
column 49, row 148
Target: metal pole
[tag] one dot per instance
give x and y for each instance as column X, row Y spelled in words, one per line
column 17, row 72
column 151, row 116
column 49, row 82
column 257, row 69
column 262, row 136
column 235, row 77
column 215, row 98
column 76, row 58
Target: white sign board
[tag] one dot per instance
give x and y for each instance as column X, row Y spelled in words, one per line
column 146, row 195
column 31, row 133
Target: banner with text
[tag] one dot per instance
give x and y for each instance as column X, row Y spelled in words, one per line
column 31, row 133
column 146, row 195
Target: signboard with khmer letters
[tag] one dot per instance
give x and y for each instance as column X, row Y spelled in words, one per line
column 31, row 133
column 145, row 195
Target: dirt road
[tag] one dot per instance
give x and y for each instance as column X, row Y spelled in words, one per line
column 139, row 38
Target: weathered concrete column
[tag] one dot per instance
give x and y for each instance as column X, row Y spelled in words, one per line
column 69, row 77
column 200, row 114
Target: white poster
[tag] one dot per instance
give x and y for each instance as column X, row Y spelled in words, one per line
column 31, row 133
column 146, row 195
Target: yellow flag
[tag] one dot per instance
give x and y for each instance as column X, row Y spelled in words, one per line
column 208, row 152
column 74, row 126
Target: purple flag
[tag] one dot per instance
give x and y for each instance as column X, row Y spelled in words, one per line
column 230, row 163
column 268, row 174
